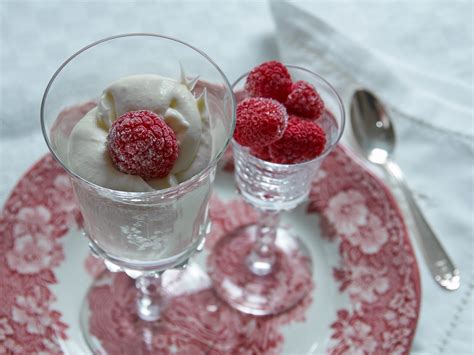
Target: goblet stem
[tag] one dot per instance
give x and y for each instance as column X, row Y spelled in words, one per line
column 150, row 296
column 262, row 258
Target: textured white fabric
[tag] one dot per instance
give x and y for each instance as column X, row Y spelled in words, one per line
column 423, row 72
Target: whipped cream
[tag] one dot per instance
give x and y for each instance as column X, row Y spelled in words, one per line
column 173, row 100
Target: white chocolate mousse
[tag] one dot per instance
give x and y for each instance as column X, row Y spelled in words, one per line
column 173, row 100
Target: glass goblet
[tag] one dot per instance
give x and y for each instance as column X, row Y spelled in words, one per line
column 263, row 268
column 140, row 233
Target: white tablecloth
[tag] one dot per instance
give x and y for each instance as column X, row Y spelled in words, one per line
column 416, row 55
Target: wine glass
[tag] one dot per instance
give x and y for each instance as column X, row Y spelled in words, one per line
column 140, row 233
column 263, row 268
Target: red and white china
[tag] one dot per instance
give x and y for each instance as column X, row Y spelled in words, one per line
column 365, row 295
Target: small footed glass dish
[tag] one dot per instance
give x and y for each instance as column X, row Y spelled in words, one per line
column 141, row 233
column 262, row 268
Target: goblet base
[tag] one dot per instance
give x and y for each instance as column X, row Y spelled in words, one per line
column 254, row 289
column 109, row 315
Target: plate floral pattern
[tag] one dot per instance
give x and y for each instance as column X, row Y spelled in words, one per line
column 377, row 269
column 39, row 212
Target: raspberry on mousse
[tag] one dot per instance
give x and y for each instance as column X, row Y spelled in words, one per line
column 304, row 101
column 303, row 140
column 269, row 79
column 259, row 122
column 141, row 143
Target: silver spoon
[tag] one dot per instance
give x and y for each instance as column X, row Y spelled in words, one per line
column 375, row 135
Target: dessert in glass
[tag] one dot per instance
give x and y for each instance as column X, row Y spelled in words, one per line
column 141, row 151
column 288, row 119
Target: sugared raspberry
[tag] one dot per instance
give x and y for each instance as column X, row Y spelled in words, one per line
column 141, row 143
column 269, row 79
column 261, row 153
column 304, row 101
column 303, row 140
column 260, row 122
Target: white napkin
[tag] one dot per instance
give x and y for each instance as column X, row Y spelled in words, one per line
column 390, row 48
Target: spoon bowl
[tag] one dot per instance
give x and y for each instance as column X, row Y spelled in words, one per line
column 372, row 127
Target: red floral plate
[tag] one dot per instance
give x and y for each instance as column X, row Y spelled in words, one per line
column 366, row 295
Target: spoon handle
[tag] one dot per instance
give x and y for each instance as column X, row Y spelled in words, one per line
column 439, row 263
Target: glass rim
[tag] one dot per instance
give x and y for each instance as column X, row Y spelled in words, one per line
column 342, row 112
column 133, row 194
